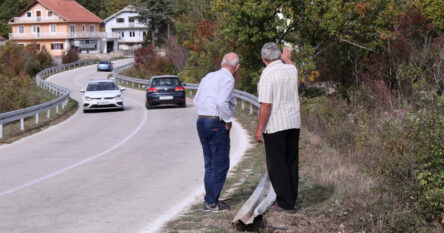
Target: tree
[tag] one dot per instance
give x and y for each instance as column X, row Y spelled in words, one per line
column 156, row 14
column 71, row 56
column 8, row 9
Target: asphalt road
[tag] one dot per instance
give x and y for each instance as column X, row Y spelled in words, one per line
column 104, row 171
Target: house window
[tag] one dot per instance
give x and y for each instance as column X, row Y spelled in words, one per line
column 36, row 29
column 144, row 34
column 83, row 28
column 132, row 34
column 49, row 13
column 120, row 20
column 29, row 14
column 123, row 34
column 131, row 19
column 57, row 46
column 53, row 28
column 92, row 28
column 21, row 29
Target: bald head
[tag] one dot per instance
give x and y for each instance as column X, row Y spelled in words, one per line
column 231, row 60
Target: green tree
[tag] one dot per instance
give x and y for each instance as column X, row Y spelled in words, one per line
column 8, row 9
column 95, row 6
column 156, row 14
column 112, row 6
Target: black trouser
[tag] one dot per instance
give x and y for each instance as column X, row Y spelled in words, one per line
column 282, row 153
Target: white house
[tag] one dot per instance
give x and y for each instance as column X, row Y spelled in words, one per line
column 130, row 30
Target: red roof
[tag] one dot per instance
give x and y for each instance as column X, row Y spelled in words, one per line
column 70, row 10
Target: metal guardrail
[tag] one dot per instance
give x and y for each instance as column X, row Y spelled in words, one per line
column 134, row 82
column 144, row 83
column 61, row 101
column 264, row 195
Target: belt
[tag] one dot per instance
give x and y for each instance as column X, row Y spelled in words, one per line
column 210, row 117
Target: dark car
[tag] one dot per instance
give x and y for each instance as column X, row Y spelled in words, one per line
column 105, row 65
column 165, row 90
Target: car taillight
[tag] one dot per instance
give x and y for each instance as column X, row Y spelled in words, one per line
column 152, row 89
column 179, row 88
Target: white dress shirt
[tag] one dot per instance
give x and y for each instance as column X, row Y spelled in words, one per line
column 215, row 95
column 278, row 86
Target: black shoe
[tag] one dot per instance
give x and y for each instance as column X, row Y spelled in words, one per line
column 216, row 207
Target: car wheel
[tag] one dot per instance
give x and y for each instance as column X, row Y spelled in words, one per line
column 183, row 105
column 122, row 109
column 148, row 106
column 85, row 111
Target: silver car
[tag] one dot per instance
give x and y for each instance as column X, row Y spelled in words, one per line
column 102, row 94
column 105, row 65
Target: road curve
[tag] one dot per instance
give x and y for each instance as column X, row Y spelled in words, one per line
column 105, row 171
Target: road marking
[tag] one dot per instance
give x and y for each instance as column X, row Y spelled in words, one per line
column 36, row 181
column 157, row 224
column 76, row 81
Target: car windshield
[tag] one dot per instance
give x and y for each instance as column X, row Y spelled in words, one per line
column 104, row 62
column 102, row 86
column 171, row 81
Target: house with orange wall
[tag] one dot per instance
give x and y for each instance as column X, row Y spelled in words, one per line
column 60, row 25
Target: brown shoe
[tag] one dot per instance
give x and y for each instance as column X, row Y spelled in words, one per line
column 276, row 208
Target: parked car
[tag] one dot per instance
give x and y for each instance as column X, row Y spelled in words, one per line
column 102, row 94
column 105, row 65
column 165, row 90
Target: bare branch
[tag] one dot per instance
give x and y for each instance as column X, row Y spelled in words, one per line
column 357, row 45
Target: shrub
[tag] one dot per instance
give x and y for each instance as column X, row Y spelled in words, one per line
column 71, row 56
column 149, row 62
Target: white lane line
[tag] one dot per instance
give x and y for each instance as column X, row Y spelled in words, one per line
column 157, row 224
column 76, row 81
column 36, row 181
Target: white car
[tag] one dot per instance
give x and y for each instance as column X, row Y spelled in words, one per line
column 102, row 94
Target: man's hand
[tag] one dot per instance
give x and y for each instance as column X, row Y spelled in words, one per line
column 259, row 136
column 264, row 113
column 286, row 56
column 228, row 125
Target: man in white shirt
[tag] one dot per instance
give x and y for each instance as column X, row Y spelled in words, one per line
column 279, row 123
column 214, row 103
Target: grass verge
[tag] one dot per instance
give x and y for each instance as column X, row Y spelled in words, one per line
column 322, row 189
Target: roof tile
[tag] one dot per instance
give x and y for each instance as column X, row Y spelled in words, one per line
column 71, row 10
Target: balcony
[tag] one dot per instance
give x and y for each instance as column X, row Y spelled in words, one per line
column 37, row 19
column 58, row 35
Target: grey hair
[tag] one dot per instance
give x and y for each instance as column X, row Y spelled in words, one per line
column 271, row 51
column 233, row 62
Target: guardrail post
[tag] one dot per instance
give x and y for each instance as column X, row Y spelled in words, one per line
column 191, row 92
column 1, row 130
column 251, row 108
column 132, row 84
column 243, row 104
column 48, row 113
column 22, row 124
column 37, row 118
column 57, row 108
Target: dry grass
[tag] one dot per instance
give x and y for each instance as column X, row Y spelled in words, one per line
column 326, row 180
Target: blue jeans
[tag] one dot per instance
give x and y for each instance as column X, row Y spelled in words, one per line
column 215, row 140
